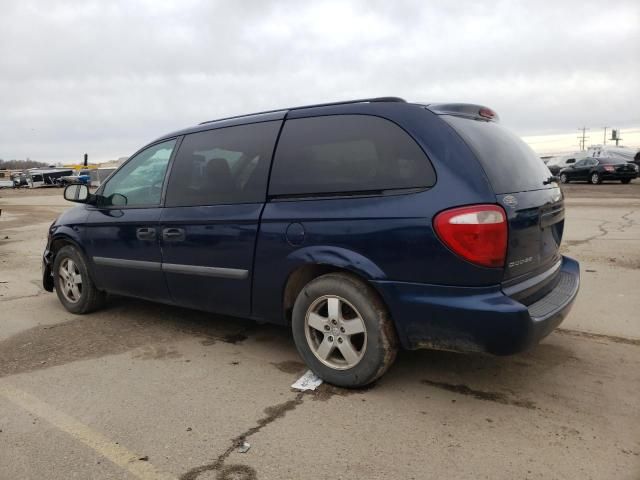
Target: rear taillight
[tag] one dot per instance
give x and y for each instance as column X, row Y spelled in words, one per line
column 609, row 168
column 477, row 233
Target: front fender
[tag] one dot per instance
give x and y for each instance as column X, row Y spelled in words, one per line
column 70, row 236
column 336, row 257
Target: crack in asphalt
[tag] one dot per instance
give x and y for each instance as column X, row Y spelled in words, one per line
column 599, row 336
column 603, row 232
column 239, row 471
column 628, row 222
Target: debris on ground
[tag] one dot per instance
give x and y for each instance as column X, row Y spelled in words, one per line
column 145, row 458
column 308, row 381
column 244, row 448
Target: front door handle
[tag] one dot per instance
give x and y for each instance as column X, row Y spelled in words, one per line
column 173, row 234
column 146, row 233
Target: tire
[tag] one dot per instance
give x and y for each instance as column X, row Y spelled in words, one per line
column 76, row 296
column 564, row 178
column 626, row 180
column 595, row 178
column 370, row 350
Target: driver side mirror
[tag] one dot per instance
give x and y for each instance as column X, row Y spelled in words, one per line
column 77, row 193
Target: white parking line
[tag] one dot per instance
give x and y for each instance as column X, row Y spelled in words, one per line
column 81, row 432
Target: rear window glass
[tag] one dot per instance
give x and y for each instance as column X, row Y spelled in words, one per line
column 347, row 153
column 612, row 161
column 509, row 163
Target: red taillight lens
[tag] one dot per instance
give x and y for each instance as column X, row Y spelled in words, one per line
column 477, row 233
column 609, row 168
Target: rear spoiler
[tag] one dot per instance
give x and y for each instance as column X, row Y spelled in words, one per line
column 468, row 110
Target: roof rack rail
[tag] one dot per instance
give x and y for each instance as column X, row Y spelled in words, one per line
column 330, row 104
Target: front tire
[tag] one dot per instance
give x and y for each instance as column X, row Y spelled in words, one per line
column 626, row 180
column 74, row 287
column 564, row 178
column 343, row 331
column 595, row 178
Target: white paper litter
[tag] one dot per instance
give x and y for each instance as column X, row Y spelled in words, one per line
column 308, row 381
column 244, row 448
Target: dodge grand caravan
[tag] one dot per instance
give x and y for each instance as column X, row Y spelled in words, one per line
column 366, row 226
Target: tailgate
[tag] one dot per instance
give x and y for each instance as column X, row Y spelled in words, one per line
column 536, row 224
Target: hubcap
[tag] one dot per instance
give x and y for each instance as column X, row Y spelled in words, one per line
column 70, row 280
column 335, row 332
column 563, row 178
column 594, row 178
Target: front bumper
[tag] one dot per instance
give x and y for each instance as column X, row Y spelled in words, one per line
column 481, row 319
column 47, row 277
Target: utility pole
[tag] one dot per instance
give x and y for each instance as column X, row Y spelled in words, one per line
column 604, row 137
column 582, row 139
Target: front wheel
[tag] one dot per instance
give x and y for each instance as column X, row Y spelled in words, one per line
column 564, row 178
column 343, row 331
column 626, row 180
column 74, row 287
column 595, row 178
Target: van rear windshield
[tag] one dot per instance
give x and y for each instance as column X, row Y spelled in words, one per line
column 509, row 163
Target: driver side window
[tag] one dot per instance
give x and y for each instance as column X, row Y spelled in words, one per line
column 139, row 182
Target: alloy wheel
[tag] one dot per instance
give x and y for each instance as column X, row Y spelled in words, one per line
column 70, row 280
column 335, row 332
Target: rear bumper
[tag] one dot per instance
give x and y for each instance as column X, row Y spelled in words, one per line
column 481, row 319
column 619, row 175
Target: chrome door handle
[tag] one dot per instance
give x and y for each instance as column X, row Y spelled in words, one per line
column 146, row 233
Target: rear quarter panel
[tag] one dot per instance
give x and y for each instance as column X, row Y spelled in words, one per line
column 379, row 237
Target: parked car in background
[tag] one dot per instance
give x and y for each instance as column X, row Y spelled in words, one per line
column 82, row 177
column 558, row 163
column 596, row 170
column 19, row 180
column 636, row 159
column 363, row 225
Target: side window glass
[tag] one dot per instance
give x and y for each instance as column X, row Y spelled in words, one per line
column 347, row 153
column 571, row 160
column 581, row 163
column 222, row 166
column 139, row 181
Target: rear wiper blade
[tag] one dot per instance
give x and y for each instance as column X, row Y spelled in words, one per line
column 551, row 179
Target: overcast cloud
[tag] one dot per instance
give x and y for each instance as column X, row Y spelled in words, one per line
column 106, row 77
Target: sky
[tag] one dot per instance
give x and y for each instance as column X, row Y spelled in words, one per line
column 107, row 77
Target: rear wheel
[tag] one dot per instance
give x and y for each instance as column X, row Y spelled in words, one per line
column 595, row 178
column 564, row 178
column 343, row 331
column 626, row 180
column 74, row 287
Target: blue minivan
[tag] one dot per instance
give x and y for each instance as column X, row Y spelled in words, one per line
column 366, row 226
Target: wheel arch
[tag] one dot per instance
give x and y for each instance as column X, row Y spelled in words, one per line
column 63, row 238
column 324, row 261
